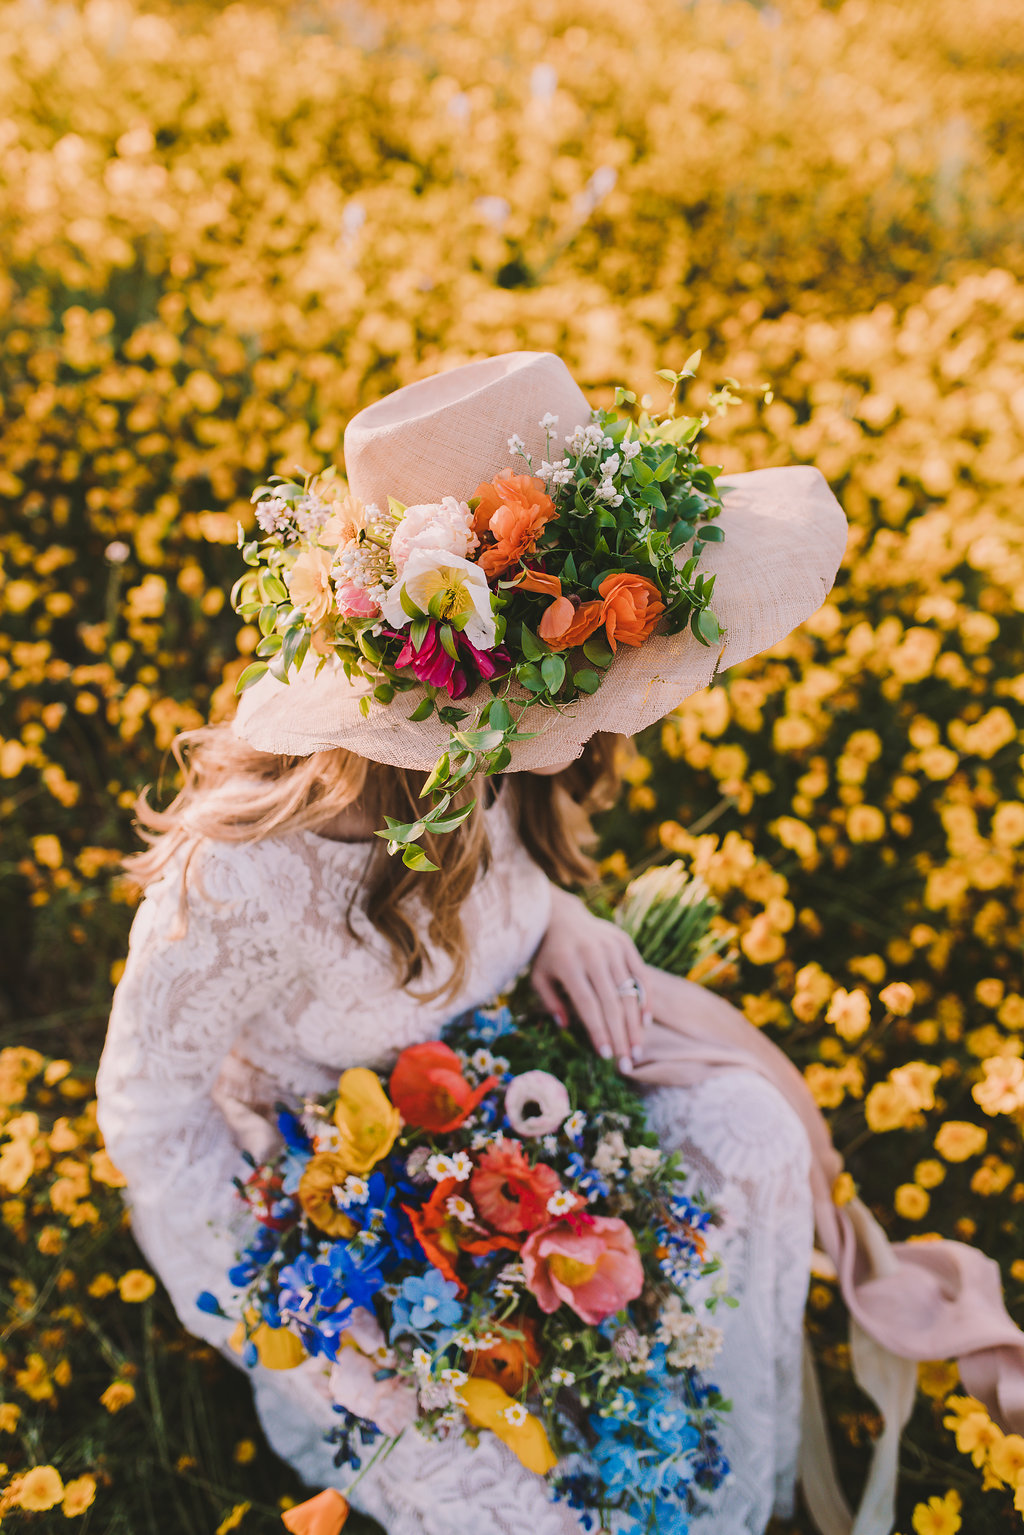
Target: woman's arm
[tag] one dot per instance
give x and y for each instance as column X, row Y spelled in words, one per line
column 181, row 1004
column 590, row 964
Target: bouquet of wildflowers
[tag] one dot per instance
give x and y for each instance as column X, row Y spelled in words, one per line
column 491, row 1239
column 527, row 589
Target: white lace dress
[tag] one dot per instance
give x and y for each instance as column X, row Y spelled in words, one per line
column 266, row 995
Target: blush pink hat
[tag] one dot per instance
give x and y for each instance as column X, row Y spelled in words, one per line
column 785, row 535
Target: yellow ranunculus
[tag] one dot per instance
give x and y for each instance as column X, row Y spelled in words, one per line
column 278, row 1348
column 368, row 1122
column 323, row 1173
column 487, row 1405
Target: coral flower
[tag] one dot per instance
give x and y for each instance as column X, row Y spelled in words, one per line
column 569, row 622
column 538, row 581
column 443, row 1235
column 513, row 509
column 323, row 1515
column 429, row 1090
column 509, row 1362
column 632, row 607
column 368, row 1123
column 510, row 1194
column 309, row 584
column 488, row 1406
column 323, row 1174
column 594, row 1270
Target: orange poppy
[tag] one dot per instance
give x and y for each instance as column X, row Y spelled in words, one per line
column 569, row 622
column 443, row 1235
column 510, row 1194
column 509, row 1361
column 428, row 1088
column 632, row 607
column 323, row 1515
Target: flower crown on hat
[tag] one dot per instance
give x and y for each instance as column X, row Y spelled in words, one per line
column 523, row 592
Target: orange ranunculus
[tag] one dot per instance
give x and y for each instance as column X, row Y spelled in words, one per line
column 323, row 1515
column 538, row 581
column 512, row 509
column 443, row 1235
column 569, row 622
column 632, row 607
column 510, row 1194
column 316, row 1193
column 428, row 1088
column 509, row 1361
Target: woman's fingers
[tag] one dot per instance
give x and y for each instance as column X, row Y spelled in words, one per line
column 601, row 1008
column 629, row 990
column 550, row 998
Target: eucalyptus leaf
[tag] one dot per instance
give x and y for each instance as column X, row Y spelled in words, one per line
column 253, row 672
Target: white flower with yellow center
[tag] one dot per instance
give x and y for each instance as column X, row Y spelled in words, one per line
column 442, row 586
column 516, row 1414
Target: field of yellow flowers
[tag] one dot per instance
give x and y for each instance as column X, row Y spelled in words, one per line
column 225, row 228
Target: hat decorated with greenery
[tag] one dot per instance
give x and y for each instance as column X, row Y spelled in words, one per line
column 507, row 572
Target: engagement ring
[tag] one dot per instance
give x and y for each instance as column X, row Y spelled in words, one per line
column 630, row 988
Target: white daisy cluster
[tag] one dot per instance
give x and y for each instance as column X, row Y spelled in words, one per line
column 441, row 1166
column 354, row 1191
column 693, row 1344
column 512, row 1276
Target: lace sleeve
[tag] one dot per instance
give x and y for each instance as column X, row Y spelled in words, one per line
column 191, row 980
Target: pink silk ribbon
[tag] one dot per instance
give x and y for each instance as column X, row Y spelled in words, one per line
column 915, row 1301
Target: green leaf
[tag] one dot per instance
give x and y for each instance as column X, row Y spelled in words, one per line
column 665, row 468
column 292, row 640
column 642, row 473
column 482, row 740
column 272, row 587
column 652, row 496
column 364, row 707
column 692, row 363
column 530, row 678
column 251, row 553
column 448, row 640
column 268, row 618
column 498, row 761
column 711, row 535
column 383, row 692
column 409, row 607
column 269, row 645
column 402, row 831
column 499, row 716
column 552, row 669
column 422, row 711
column 418, row 631
column 441, row 825
column 438, row 775
column 415, row 858
column 396, row 507
column 253, row 672
column 368, row 648
column 598, row 652
column 586, row 680
column 569, row 568
column 532, row 648
column 706, row 627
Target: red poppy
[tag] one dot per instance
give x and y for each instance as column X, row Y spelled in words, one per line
column 509, row 1193
column 443, row 1235
column 428, row 1088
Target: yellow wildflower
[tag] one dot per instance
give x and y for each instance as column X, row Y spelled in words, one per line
column 367, row 1121
column 34, row 1379
column 10, row 1412
column 39, row 1489
column 911, row 1202
column 958, row 1139
column 79, row 1495
column 232, row 1520
column 488, row 1406
column 119, row 1394
column 939, row 1516
column 136, row 1285
column 936, row 1378
column 849, row 1012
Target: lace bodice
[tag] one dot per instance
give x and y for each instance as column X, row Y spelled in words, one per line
column 267, row 994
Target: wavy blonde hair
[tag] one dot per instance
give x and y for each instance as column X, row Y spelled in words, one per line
column 231, row 793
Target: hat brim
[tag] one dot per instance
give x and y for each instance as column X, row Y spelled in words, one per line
column 785, row 535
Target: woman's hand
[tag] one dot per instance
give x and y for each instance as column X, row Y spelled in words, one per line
column 595, row 967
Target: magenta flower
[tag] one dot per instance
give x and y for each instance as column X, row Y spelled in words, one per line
column 595, row 1269
column 432, row 664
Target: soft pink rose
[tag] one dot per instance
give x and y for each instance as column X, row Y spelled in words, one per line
column 595, row 1268
column 353, row 601
column 445, row 527
column 390, row 1403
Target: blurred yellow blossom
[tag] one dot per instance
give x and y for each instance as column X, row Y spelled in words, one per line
column 849, row 1012
column 79, row 1495
column 119, row 1394
column 136, row 1285
column 38, row 1489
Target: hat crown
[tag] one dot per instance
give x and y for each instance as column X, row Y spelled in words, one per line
column 444, row 435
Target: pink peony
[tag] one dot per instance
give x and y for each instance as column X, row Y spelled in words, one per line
column 594, row 1269
column 390, row 1403
column 445, row 527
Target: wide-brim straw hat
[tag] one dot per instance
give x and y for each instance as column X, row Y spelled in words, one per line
column 785, row 534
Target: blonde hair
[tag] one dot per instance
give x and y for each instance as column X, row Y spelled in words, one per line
column 231, row 793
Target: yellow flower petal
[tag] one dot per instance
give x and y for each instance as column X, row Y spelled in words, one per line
column 485, row 1404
